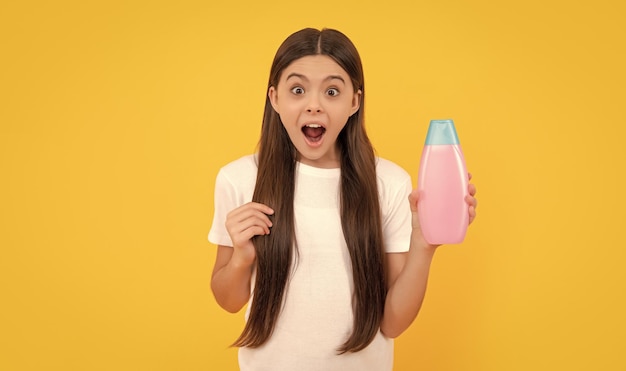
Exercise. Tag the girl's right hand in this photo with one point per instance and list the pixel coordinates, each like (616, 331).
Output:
(243, 223)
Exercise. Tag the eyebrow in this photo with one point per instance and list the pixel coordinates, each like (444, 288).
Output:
(328, 78)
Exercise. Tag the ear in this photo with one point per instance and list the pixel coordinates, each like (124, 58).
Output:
(356, 102)
(272, 94)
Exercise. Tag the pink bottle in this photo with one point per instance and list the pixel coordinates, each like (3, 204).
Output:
(443, 185)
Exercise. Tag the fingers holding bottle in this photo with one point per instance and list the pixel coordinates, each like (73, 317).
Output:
(417, 232)
(471, 200)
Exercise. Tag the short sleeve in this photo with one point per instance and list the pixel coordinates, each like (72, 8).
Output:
(234, 186)
(395, 187)
(225, 201)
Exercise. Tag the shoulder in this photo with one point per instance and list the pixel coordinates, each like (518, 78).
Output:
(388, 171)
(238, 176)
(241, 168)
(235, 183)
(394, 183)
(247, 162)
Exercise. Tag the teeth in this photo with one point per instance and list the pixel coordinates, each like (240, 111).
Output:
(313, 126)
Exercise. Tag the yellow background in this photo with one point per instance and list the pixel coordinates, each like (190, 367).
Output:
(116, 116)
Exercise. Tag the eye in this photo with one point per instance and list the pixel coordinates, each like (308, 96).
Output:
(297, 90)
(333, 92)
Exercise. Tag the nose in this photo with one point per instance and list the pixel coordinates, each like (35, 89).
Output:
(313, 105)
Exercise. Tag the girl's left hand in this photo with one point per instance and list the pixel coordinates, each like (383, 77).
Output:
(470, 199)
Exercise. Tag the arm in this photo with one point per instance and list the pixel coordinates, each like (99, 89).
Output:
(407, 274)
(407, 277)
(230, 281)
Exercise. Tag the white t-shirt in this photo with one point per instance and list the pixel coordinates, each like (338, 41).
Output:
(317, 316)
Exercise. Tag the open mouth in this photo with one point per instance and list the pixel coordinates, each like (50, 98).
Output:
(313, 132)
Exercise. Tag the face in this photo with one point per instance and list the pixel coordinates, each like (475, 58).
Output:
(314, 99)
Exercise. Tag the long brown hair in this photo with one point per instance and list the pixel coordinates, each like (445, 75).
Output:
(360, 208)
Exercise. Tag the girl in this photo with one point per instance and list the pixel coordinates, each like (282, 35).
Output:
(314, 232)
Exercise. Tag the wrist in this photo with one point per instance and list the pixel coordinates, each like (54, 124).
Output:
(419, 243)
(240, 261)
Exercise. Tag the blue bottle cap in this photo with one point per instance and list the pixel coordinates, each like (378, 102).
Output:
(441, 132)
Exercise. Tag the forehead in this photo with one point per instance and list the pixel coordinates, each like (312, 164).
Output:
(314, 66)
